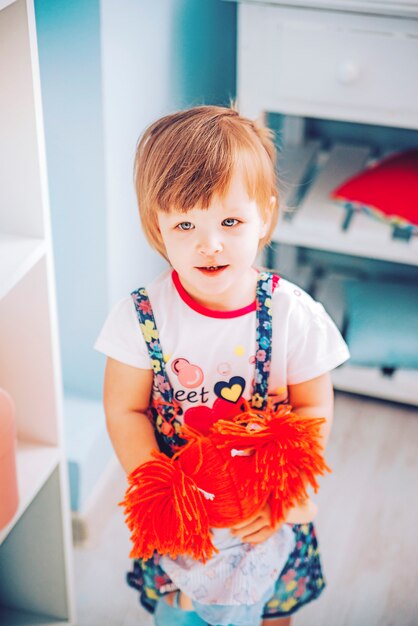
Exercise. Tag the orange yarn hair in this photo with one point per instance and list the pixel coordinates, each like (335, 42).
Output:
(221, 479)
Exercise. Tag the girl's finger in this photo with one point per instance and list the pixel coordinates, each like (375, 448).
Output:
(260, 535)
(263, 515)
(246, 522)
(253, 527)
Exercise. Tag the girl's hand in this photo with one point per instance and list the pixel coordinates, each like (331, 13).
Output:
(255, 529)
(303, 513)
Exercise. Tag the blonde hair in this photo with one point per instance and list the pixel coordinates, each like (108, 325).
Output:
(184, 159)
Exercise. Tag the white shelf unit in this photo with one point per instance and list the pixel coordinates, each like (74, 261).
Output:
(317, 221)
(398, 386)
(36, 584)
(35, 464)
(336, 64)
(17, 256)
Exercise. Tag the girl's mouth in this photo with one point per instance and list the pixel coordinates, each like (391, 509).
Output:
(212, 269)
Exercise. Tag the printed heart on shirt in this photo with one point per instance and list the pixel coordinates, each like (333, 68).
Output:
(202, 418)
(231, 391)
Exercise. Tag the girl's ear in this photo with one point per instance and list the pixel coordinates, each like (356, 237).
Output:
(266, 221)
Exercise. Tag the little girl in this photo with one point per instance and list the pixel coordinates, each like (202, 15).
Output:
(212, 331)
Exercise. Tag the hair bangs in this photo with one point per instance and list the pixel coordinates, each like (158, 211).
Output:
(202, 170)
(257, 178)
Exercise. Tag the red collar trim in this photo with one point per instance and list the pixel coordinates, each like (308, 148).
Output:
(187, 299)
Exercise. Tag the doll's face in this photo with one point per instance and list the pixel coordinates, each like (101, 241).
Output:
(213, 249)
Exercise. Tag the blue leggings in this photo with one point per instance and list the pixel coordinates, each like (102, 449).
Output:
(172, 615)
(166, 615)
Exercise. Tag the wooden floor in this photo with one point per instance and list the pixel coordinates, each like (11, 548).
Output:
(367, 527)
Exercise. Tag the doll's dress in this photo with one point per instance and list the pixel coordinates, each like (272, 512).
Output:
(234, 584)
(267, 562)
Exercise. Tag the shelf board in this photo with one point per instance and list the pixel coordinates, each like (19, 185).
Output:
(404, 8)
(402, 386)
(35, 464)
(316, 221)
(10, 617)
(17, 256)
(5, 3)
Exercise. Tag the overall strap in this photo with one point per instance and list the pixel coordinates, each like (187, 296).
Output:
(263, 340)
(164, 408)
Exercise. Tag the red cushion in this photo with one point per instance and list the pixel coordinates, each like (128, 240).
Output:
(389, 187)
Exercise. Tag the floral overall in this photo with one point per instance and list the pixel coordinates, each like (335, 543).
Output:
(301, 579)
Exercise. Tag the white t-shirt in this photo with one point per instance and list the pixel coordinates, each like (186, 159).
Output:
(210, 355)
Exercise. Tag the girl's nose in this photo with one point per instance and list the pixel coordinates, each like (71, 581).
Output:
(208, 246)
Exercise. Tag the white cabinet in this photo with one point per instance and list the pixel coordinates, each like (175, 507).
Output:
(334, 60)
(35, 548)
(328, 64)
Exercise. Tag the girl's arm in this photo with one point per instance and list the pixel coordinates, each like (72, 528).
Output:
(127, 392)
(313, 398)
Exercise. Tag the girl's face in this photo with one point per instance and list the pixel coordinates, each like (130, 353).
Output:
(213, 250)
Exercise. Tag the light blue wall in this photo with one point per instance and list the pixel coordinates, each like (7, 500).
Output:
(205, 52)
(107, 70)
(156, 57)
(69, 51)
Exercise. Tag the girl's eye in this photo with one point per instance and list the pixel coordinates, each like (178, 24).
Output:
(230, 221)
(185, 226)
